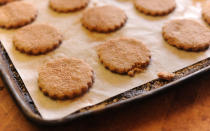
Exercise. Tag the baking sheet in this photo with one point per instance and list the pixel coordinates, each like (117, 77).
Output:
(80, 43)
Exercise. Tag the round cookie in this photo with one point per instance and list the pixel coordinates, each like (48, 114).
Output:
(65, 78)
(124, 55)
(104, 18)
(5, 1)
(155, 7)
(186, 34)
(16, 14)
(206, 12)
(68, 5)
(37, 39)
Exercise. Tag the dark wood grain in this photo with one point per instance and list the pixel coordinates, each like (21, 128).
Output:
(183, 108)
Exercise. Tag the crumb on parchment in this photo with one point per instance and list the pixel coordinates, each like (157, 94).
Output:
(166, 75)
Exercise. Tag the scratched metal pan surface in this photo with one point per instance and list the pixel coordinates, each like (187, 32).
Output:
(23, 99)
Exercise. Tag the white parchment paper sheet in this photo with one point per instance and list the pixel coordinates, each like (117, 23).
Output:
(79, 42)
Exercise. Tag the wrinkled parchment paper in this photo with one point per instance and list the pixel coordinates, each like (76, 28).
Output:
(80, 43)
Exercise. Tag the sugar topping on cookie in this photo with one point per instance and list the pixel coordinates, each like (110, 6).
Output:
(17, 14)
(186, 34)
(104, 19)
(68, 5)
(206, 11)
(37, 39)
(65, 78)
(124, 55)
(155, 7)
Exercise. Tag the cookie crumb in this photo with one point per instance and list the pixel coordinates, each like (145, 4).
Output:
(134, 71)
(166, 75)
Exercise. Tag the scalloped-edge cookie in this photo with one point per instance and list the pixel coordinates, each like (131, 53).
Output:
(206, 11)
(155, 7)
(65, 78)
(104, 19)
(124, 55)
(186, 34)
(65, 6)
(17, 14)
(37, 39)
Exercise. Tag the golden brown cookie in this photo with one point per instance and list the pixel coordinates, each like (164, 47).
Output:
(65, 78)
(5, 1)
(37, 39)
(124, 55)
(166, 75)
(206, 12)
(186, 34)
(104, 18)
(68, 5)
(155, 7)
(16, 14)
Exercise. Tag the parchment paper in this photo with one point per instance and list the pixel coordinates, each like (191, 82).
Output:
(80, 43)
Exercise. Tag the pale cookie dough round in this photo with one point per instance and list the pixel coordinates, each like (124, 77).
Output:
(5, 1)
(16, 14)
(206, 12)
(37, 39)
(124, 55)
(186, 34)
(65, 78)
(155, 7)
(68, 5)
(104, 18)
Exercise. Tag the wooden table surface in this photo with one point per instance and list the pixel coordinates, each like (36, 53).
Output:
(186, 107)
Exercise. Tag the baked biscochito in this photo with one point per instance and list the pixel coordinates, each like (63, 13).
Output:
(37, 39)
(65, 78)
(104, 19)
(155, 7)
(66, 6)
(17, 14)
(124, 55)
(206, 11)
(186, 34)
